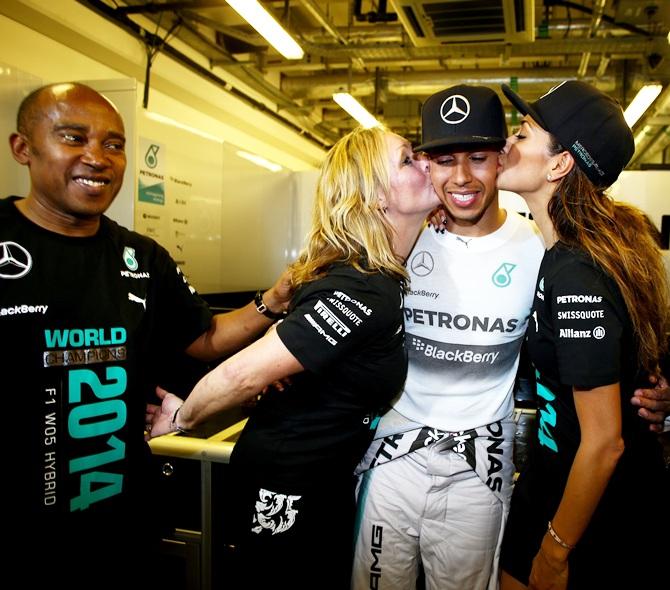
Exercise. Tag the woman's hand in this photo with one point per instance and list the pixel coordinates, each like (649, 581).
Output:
(437, 218)
(548, 573)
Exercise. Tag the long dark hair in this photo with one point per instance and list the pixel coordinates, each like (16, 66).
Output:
(619, 239)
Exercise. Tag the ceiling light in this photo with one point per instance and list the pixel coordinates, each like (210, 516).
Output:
(643, 99)
(259, 161)
(355, 109)
(268, 27)
(646, 132)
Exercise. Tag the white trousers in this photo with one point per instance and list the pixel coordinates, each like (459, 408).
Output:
(428, 507)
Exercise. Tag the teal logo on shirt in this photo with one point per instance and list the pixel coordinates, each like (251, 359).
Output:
(547, 416)
(502, 277)
(129, 258)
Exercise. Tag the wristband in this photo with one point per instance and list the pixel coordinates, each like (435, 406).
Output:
(555, 537)
(176, 426)
(264, 309)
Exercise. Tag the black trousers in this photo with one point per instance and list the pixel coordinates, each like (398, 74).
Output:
(296, 536)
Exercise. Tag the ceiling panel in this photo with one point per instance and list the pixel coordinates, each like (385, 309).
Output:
(393, 55)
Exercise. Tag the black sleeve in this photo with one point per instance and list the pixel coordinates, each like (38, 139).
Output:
(181, 314)
(588, 316)
(334, 316)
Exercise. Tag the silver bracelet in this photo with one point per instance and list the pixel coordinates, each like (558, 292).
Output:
(176, 426)
(555, 537)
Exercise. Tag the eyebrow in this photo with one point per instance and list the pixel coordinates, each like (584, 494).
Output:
(75, 126)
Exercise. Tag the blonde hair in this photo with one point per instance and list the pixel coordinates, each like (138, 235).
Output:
(348, 223)
(619, 239)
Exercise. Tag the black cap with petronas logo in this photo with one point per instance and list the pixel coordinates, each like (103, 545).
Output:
(462, 116)
(588, 123)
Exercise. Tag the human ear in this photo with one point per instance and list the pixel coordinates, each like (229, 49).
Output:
(18, 143)
(560, 165)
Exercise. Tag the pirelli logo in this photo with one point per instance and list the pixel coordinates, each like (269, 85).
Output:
(331, 319)
(320, 330)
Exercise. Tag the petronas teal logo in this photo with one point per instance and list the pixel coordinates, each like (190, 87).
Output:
(151, 157)
(129, 258)
(502, 277)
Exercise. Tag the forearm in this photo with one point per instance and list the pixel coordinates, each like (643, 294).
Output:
(238, 379)
(232, 331)
(600, 448)
(229, 332)
(222, 388)
(590, 473)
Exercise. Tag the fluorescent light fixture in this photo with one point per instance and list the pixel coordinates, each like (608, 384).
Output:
(646, 132)
(259, 161)
(261, 20)
(355, 109)
(173, 123)
(643, 99)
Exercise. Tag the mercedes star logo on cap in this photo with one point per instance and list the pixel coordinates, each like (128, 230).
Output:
(15, 260)
(455, 109)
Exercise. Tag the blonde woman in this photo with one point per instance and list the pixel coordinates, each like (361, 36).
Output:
(342, 345)
(598, 325)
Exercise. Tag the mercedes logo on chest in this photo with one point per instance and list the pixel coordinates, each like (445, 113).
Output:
(455, 109)
(422, 264)
(15, 261)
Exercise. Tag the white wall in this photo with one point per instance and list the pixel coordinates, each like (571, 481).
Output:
(58, 40)
(257, 223)
(648, 190)
(187, 220)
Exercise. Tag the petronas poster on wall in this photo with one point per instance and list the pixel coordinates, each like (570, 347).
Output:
(151, 178)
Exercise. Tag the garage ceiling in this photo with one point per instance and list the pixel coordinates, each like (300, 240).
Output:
(393, 54)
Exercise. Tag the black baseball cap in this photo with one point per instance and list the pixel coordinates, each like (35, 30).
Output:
(462, 115)
(588, 123)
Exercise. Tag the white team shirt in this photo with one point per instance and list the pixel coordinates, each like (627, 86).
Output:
(465, 320)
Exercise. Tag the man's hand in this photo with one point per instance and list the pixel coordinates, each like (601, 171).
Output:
(279, 295)
(654, 403)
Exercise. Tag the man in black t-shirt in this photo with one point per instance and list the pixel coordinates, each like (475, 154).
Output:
(87, 311)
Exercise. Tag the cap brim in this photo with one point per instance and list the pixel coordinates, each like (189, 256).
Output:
(522, 106)
(465, 141)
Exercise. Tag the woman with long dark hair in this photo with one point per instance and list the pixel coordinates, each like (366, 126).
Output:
(598, 326)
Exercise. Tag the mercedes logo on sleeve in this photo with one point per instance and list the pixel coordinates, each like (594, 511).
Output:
(422, 263)
(455, 109)
(15, 261)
